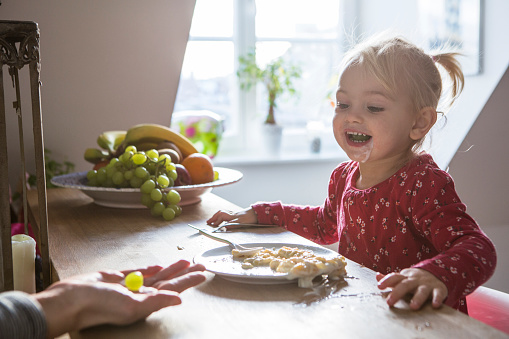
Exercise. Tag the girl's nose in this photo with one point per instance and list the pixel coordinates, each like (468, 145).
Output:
(353, 115)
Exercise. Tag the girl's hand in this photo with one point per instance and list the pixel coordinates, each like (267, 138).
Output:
(245, 216)
(422, 284)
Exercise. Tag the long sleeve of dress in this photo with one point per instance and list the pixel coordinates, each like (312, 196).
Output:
(316, 223)
(466, 257)
(21, 317)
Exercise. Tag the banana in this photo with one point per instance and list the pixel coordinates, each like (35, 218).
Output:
(110, 140)
(119, 137)
(154, 133)
(103, 142)
(145, 146)
(95, 155)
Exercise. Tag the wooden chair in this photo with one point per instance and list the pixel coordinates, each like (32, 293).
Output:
(19, 46)
(490, 307)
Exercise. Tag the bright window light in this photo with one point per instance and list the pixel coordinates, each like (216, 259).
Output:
(307, 33)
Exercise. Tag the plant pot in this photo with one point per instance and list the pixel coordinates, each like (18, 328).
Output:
(271, 135)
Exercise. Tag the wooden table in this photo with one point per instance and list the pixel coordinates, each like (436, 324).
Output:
(85, 237)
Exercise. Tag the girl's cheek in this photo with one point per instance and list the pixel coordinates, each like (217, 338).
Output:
(337, 130)
(336, 120)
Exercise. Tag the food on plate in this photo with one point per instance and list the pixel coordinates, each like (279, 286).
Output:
(95, 156)
(200, 168)
(174, 155)
(144, 137)
(152, 173)
(150, 138)
(156, 135)
(149, 157)
(110, 140)
(183, 176)
(297, 263)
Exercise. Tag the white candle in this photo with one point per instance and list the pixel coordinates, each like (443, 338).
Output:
(23, 262)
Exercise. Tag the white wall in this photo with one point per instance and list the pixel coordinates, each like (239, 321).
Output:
(300, 182)
(480, 171)
(105, 65)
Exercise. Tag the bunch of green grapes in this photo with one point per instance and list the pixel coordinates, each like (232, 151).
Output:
(150, 172)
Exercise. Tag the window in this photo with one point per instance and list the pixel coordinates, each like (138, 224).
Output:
(305, 32)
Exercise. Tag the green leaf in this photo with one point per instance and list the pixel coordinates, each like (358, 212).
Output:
(277, 76)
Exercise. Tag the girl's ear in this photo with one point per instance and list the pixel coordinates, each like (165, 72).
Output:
(425, 119)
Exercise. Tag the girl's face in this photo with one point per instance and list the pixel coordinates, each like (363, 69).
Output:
(369, 123)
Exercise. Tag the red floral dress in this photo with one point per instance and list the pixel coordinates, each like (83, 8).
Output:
(413, 219)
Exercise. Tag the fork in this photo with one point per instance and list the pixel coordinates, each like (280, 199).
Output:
(245, 250)
(236, 225)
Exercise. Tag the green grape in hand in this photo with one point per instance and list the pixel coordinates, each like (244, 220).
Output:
(134, 281)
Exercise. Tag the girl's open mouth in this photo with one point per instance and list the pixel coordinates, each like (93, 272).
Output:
(357, 138)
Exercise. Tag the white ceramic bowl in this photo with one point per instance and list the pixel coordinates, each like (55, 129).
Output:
(130, 197)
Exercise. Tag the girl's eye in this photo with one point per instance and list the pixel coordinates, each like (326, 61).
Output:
(341, 106)
(374, 109)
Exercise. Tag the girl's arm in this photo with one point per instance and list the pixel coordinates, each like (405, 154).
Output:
(310, 222)
(316, 223)
(467, 256)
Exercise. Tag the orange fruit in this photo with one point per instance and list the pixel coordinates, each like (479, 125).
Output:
(200, 168)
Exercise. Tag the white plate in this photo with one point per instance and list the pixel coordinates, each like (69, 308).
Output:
(220, 261)
(130, 197)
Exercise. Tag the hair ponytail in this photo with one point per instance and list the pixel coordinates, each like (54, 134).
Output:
(452, 66)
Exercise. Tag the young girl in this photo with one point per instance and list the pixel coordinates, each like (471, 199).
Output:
(391, 207)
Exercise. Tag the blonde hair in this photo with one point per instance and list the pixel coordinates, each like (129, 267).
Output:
(402, 66)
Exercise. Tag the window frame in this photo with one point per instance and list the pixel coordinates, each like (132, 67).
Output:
(244, 40)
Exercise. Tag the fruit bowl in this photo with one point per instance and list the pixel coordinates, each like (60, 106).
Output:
(130, 197)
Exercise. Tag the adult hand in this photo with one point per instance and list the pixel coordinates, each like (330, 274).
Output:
(245, 216)
(421, 283)
(101, 298)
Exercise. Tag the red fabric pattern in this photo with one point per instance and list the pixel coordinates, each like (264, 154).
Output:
(413, 219)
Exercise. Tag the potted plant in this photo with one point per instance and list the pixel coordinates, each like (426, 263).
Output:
(277, 77)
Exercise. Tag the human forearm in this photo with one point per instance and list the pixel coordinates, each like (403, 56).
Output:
(21, 316)
(465, 257)
(311, 222)
(463, 267)
(61, 305)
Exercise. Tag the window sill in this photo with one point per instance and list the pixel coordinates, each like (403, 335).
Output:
(283, 158)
